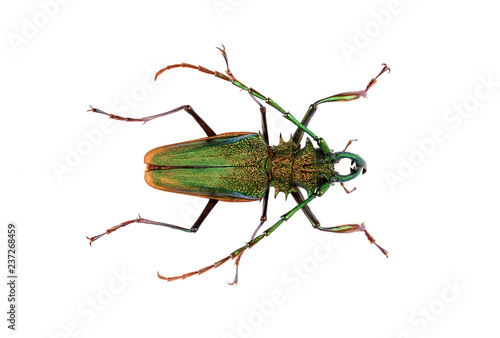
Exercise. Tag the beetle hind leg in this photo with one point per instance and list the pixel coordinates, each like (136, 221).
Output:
(208, 208)
(346, 228)
(262, 110)
(209, 131)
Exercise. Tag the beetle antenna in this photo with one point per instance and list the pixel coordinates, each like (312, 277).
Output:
(372, 241)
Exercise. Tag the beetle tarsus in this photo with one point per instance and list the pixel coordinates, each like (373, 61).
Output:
(237, 264)
(223, 50)
(112, 229)
(372, 241)
(145, 119)
(374, 80)
(228, 71)
(91, 240)
(384, 251)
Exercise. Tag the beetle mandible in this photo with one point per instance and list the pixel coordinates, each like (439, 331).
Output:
(242, 166)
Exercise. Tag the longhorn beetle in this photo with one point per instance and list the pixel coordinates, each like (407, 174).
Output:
(242, 166)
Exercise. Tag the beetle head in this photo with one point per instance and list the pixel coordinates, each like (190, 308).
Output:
(358, 166)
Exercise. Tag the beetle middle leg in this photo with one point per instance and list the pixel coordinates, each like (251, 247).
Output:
(262, 109)
(228, 71)
(345, 228)
(208, 208)
(263, 219)
(209, 131)
(249, 245)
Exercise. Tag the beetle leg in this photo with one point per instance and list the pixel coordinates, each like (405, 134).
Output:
(263, 219)
(253, 92)
(249, 245)
(208, 208)
(228, 71)
(297, 195)
(348, 96)
(187, 108)
(345, 228)
(264, 119)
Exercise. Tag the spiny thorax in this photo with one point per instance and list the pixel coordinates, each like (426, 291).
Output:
(292, 167)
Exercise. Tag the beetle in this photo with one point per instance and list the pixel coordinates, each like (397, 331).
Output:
(242, 166)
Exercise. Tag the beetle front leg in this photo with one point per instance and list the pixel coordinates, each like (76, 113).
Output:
(208, 208)
(356, 227)
(345, 228)
(187, 108)
(342, 97)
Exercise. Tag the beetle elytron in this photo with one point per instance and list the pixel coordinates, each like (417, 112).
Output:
(242, 166)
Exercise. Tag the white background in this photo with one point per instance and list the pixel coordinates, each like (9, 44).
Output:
(436, 215)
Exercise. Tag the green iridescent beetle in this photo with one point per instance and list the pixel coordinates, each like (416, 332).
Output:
(242, 166)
